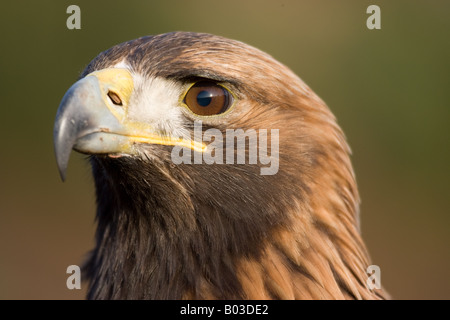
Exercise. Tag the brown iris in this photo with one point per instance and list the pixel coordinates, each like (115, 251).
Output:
(206, 98)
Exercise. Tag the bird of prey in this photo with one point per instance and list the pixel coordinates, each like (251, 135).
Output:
(170, 229)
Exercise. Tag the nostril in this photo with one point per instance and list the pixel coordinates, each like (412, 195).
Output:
(115, 98)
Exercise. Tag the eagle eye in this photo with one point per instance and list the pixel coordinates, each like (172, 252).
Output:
(207, 98)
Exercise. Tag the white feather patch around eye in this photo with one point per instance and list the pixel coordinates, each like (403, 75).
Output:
(156, 102)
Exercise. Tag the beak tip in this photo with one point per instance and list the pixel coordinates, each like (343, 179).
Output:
(63, 148)
(62, 167)
(62, 174)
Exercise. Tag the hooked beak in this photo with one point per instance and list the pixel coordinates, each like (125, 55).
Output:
(92, 119)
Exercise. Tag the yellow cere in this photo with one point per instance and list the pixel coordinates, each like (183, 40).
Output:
(120, 81)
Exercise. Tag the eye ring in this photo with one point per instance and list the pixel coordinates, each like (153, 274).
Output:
(208, 98)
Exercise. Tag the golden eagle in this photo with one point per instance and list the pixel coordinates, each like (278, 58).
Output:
(171, 226)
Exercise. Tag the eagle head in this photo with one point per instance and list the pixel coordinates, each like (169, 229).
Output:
(219, 174)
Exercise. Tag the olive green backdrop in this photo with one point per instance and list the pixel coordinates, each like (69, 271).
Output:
(389, 89)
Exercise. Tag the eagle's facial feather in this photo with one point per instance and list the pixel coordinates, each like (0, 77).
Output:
(156, 102)
(168, 231)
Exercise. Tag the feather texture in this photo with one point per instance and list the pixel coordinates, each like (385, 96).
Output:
(225, 231)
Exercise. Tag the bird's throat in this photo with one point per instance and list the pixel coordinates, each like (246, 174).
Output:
(153, 241)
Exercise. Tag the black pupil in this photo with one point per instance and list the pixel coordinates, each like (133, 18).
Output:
(204, 98)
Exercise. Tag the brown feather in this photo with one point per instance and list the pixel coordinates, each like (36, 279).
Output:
(226, 232)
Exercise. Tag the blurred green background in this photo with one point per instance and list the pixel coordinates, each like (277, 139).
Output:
(389, 89)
